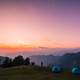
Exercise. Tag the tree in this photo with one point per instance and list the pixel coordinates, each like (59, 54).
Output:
(27, 61)
(7, 62)
(19, 60)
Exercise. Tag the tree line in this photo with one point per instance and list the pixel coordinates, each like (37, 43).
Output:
(17, 61)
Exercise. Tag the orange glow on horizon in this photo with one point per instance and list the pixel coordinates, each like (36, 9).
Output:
(28, 26)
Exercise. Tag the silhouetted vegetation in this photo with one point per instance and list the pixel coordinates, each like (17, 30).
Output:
(68, 60)
(27, 61)
(19, 60)
(7, 62)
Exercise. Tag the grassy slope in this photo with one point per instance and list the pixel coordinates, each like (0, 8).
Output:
(34, 73)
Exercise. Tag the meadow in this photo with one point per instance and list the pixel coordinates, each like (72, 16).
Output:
(34, 73)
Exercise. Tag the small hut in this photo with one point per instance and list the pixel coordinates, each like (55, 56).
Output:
(56, 68)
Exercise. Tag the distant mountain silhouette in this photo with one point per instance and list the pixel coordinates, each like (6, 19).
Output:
(66, 60)
(70, 59)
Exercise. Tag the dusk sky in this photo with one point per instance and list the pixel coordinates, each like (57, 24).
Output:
(40, 23)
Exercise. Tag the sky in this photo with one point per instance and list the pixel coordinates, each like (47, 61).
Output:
(26, 24)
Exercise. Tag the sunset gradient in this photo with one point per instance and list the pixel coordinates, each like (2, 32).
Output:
(27, 24)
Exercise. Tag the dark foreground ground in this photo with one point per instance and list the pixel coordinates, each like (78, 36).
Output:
(34, 73)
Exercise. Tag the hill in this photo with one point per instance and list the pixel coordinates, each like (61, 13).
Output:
(34, 73)
(66, 61)
(70, 59)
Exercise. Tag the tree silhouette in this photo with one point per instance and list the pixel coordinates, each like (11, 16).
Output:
(27, 61)
(19, 60)
(7, 62)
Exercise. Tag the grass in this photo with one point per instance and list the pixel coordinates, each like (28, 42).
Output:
(34, 73)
